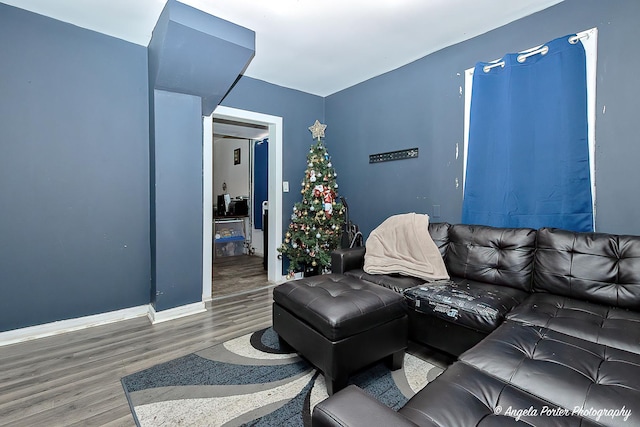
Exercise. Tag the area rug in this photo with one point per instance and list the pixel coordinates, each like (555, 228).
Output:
(252, 381)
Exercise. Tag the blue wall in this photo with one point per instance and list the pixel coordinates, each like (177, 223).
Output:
(74, 171)
(194, 58)
(76, 226)
(177, 212)
(420, 105)
(75, 144)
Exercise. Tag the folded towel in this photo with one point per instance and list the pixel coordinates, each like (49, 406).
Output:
(402, 244)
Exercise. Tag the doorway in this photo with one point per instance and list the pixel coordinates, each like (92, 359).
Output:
(274, 125)
(239, 189)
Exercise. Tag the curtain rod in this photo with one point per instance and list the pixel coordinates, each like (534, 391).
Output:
(574, 39)
(542, 50)
(486, 68)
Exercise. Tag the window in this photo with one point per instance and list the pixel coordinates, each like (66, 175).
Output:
(516, 70)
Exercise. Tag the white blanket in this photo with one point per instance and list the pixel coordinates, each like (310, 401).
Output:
(402, 244)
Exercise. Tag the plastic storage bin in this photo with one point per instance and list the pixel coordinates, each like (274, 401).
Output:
(229, 237)
(224, 249)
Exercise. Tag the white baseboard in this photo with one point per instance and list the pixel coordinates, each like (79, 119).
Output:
(59, 327)
(175, 313)
(62, 326)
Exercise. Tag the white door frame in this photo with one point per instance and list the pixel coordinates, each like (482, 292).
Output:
(274, 123)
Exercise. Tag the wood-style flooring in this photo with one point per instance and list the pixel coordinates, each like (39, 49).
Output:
(73, 379)
(237, 274)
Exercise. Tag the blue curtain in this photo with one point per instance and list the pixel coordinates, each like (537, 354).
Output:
(528, 151)
(260, 180)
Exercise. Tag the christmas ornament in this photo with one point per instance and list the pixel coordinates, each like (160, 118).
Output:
(317, 130)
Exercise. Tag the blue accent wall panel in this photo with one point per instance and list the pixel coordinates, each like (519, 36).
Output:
(74, 172)
(422, 105)
(177, 237)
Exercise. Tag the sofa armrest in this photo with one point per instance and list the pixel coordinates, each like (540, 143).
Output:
(353, 407)
(346, 259)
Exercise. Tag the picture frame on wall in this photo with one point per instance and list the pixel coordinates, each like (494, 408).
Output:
(236, 156)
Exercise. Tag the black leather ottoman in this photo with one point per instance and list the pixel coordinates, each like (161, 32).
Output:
(341, 324)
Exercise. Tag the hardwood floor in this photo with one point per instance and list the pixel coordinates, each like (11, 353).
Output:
(73, 379)
(237, 274)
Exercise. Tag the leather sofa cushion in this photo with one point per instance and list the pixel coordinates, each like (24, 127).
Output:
(439, 232)
(476, 305)
(596, 267)
(395, 282)
(613, 327)
(463, 396)
(566, 371)
(502, 256)
(339, 306)
(352, 406)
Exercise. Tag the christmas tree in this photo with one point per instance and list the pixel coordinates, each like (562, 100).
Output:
(316, 221)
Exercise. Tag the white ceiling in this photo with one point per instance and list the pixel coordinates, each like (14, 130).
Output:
(316, 46)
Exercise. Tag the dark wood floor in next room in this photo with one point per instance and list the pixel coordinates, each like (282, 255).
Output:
(237, 274)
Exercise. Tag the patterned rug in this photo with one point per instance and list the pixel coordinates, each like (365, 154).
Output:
(252, 381)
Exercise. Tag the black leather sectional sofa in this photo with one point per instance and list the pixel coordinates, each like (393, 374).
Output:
(545, 325)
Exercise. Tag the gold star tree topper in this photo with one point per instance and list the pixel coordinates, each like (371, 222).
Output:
(317, 130)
